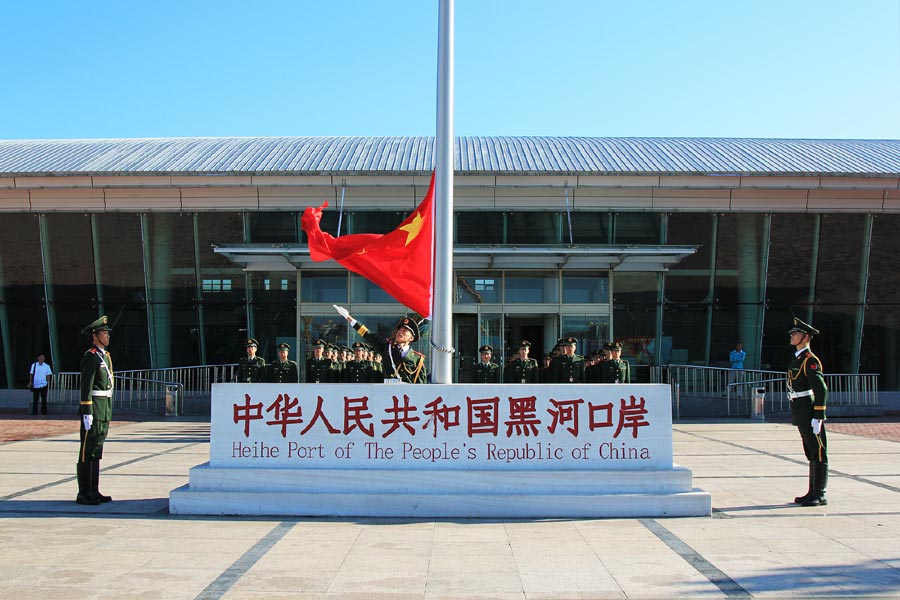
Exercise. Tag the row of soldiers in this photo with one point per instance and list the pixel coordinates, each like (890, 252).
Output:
(329, 364)
(562, 365)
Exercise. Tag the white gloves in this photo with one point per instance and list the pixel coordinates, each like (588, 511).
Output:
(342, 311)
(816, 426)
(88, 421)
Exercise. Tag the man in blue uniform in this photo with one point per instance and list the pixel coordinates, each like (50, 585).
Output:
(808, 394)
(95, 410)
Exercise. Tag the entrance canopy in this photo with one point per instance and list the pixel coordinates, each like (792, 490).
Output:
(279, 257)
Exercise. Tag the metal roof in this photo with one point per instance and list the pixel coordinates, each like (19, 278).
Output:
(524, 155)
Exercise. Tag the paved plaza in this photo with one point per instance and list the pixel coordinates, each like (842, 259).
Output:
(756, 544)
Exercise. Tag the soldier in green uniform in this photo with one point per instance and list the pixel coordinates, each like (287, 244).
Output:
(522, 369)
(808, 394)
(251, 367)
(319, 368)
(568, 367)
(282, 370)
(592, 367)
(358, 370)
(400, 361)
(333, 351)
(485, 370)
(614, 369)
(95, 410)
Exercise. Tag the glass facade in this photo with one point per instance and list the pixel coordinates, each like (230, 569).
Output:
(173, 301)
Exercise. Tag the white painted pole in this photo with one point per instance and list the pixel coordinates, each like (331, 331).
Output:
(442, 310)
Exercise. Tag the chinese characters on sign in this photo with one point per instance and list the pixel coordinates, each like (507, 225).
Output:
(444, 426)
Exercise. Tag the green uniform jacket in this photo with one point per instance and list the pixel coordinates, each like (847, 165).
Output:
(486, 373)
(282, 372)
(521, 371)
(409, 368)
(805, 374)
(250, 371)
(319, 370)
(96, 376)
(614, 371)
(567, 369)
(358, 371)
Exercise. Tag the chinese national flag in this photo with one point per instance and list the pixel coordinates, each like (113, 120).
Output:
(399, 262)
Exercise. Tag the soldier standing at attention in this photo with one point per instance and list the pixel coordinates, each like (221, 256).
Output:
(358, 370)
(522, 369)
(614, 369)
(400, 361)
(282, 370)
(808, 393)
(568, 367)
(319, 368)
(485, 370)
(95, 410)
(250, 368)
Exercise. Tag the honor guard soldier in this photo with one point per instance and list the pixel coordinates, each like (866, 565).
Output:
(614, 369)
(282, 370)
(485, 370)
(358, 370)
(568, 367)
(400, 362)
(808, 394)
(522, 369)
(95, 410)
(251, 367)
(319, 368)
(592, 367)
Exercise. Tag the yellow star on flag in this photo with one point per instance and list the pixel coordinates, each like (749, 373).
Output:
(413, 229)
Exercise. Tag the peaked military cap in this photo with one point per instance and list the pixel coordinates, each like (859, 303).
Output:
(101, 324)
(803, 327)
(319, 343)
(612, 346)
(283, 346)
(359, 346)
(486, 348)
(251, 342)
(569, 341)
(410, 324)
(524, 344)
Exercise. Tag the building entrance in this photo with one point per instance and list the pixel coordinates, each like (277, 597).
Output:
(533, 328)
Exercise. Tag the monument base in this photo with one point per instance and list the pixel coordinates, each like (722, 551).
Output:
(440, 493)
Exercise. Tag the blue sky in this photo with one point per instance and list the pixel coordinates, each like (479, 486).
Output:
(692, 68)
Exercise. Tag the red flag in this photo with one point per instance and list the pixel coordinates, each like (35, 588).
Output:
(400, 262)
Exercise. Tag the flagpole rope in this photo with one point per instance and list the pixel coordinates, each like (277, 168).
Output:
(449, 350)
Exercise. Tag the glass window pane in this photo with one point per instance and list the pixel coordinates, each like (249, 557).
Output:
(532, 228)
(588, 227)
(363, 290)
(479, 228)
(637, 228)
(585, 289)
(634, 314)
(273, 227)
(329, 224)
(373, 221)
(591, 331)
(326, 287)
(274, 310)
(478, 288)
(533, 288)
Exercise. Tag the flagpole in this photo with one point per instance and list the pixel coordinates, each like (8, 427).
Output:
(442, 310)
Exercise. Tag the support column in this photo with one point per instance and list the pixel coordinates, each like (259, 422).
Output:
(48, 290)
(862, 293)
(198, 290)
(162, 237)
(148, 296)
(248, 281)
(4, 331)
(98, 278)
(813, 270)
(711, 289)
(748, 278)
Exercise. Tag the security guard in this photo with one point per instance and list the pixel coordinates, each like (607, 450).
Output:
(522, 369)
(319, 369)
(614, 369)
(95, 410)
(358, 370)
(400, 361)
(485, 370)
(568, 367)
(282, 370)
(808, 394)
(250, 368)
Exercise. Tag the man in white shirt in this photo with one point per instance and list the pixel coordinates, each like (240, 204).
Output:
(39, 382)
